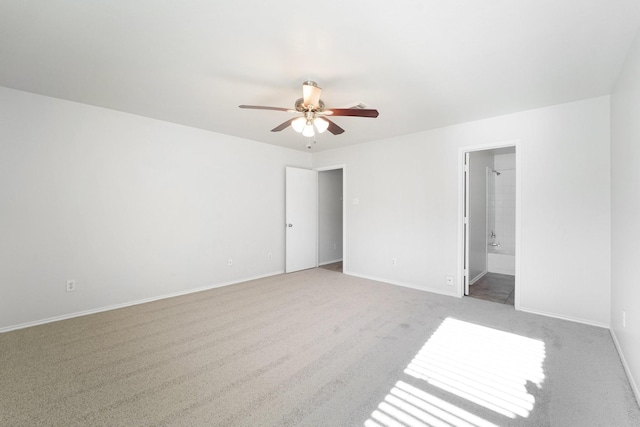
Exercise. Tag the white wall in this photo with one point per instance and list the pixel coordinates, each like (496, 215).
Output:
(479, 161)
(329, 216)
(503, 206)
(131, 208)
(134, 208)
(625, 213)
(407, 191)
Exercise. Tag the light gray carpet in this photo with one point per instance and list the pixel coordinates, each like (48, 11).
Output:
(314, 348)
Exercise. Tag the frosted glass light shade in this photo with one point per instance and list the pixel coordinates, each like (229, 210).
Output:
(308, 130)
(321, 124)
(298, 124)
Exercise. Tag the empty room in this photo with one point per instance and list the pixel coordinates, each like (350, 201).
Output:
(380, 214)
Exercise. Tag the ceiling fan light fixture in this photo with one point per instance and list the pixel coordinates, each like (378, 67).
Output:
(308, 130)
(299, 124)
(311, 94)
(321, 124)
(313, 112)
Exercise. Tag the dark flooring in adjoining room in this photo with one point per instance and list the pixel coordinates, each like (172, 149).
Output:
(334, 266)
(494, 287)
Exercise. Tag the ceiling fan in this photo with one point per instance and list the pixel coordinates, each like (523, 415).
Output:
(314, 113)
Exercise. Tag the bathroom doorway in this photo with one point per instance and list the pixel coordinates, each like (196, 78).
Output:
(490, 224)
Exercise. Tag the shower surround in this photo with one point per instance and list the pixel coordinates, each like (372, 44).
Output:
(501, 214)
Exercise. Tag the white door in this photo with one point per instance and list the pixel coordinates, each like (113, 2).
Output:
(465, 225)
(301, 213)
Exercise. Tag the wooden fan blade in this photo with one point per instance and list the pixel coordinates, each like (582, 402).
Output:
(283, 125)
(334, 128)
(355, 112)
(262, 107)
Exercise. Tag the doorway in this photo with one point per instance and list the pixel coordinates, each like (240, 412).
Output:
(490, 223)
(331, 219)
(314, 220)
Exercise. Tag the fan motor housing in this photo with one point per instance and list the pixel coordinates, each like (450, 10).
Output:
(301, 108)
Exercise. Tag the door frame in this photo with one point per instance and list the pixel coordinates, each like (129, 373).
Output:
(344, 212)
(462, 208)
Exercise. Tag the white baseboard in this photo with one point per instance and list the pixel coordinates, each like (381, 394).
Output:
(632, 382)
(404, 285)
(131, 303)
(478, 277)
(562, 317)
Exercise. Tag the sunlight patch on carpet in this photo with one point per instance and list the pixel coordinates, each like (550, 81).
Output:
(485, 366)
(407, 405)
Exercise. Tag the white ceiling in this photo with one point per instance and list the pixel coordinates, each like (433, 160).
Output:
(422, 63)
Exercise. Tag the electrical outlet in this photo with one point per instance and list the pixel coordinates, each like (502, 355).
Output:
(71, 286)
(270, 255)
(450, 281)
(624, 318)
(394, 262)
(230, 262)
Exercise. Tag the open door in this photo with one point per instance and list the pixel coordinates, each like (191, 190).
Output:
(301, 213)
(465, 225)
(489, 217)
